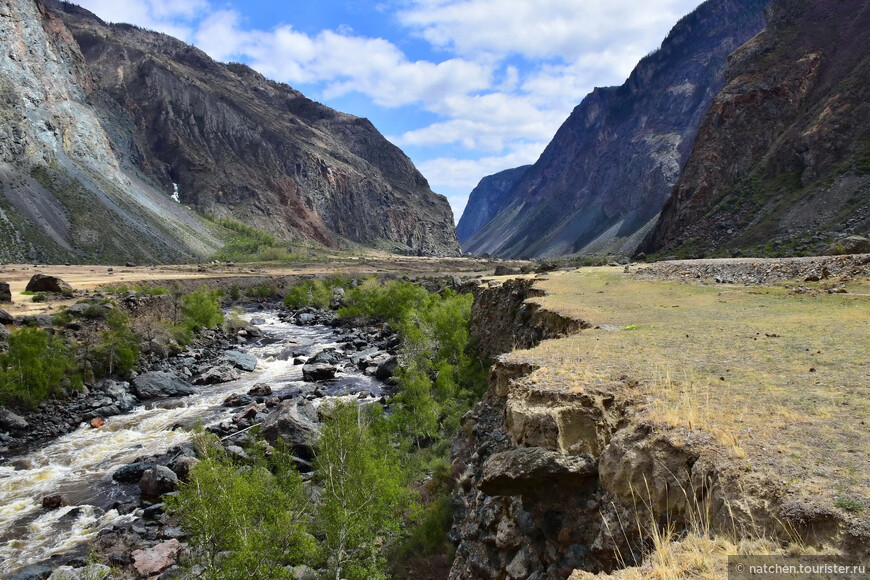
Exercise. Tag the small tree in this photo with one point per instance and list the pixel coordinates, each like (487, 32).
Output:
(243, 523)
(201, 309)
(363, 493)
(118, 348)
(33, 366)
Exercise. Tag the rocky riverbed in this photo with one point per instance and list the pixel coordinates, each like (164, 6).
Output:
(88, 473)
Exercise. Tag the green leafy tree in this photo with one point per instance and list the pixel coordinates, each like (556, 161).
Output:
(201, 309)
(362, 492)
(308, 293)
(33, 366)
(118, 349)
(244, 523)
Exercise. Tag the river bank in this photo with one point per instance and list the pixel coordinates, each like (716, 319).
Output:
(61, 492)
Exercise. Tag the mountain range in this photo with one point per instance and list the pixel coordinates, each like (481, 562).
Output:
(105, 124)
(747, 131)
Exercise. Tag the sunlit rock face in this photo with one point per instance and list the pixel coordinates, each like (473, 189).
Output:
(101, 121)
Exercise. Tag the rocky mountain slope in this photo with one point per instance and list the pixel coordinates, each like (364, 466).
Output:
(782, 159)
(64, 194)
(106, 122)
(486, 200)
(613, 163)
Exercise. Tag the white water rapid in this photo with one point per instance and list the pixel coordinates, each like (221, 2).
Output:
(79, 466)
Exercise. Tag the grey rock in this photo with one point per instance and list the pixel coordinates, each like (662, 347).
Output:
(215, 375)
(237, 453)
(329, 356)
(157, 481)
(516, 470)
(5, 317)
(159, 385)
(5, 294)
(294, 424)
(260, 390)
(387, 368)
(4, 334)
(11, 421)
(130, 473)
(37, 572)
(182, 466)
(318, 372)
(241, 360)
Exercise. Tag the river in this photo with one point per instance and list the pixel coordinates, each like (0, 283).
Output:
(79, 466)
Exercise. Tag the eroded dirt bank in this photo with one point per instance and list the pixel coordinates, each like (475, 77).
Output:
(564, 472)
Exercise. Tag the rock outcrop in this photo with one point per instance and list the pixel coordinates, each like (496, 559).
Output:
(112, 135)
(613, 163)
(782, 159)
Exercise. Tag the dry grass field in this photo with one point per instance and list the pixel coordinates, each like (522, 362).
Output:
(781, 379)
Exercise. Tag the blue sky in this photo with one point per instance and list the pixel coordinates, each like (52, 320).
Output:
(465, 87)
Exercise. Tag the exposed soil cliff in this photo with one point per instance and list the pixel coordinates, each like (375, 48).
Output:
(562, 472)
(782, 157)
(612, 164)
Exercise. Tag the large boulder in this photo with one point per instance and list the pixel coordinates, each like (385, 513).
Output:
(5, 292)
(241, 360)
(294, 424)
(520, 469)
(260, 390)
(44, 283)
(329, 357)
(851, 245)
(155, 560)
(5, 317)
(387, 367)
(215, 375)
(130, 473)
(318, 372)
(159, 385)
(157, 480)
(11, 421)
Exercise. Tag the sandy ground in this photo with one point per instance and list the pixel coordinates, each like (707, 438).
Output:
(90, 277)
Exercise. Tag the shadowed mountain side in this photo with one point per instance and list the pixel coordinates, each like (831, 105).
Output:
(485, 200)
(612, 164)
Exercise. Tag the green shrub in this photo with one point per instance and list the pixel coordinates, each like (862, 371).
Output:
(388, 302)
(308, 293)
(243, 523)
(235, 294)
(265, 290)
(33, 366)
(200, 309)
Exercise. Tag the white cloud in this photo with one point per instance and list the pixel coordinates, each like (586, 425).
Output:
(173, 17)
(544, 29)
(341, 63)
(464, 174)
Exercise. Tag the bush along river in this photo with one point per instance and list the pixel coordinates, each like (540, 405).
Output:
(97, 488)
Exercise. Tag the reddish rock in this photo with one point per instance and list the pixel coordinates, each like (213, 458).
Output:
(97, 422)
(157, 559)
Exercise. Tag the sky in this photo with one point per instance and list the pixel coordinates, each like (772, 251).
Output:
(466, 88)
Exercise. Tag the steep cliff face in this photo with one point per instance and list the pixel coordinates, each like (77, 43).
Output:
(783, 155)
(612, 164)
(63, 192)
(486, 200)
(240, 145)
(103, 122)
